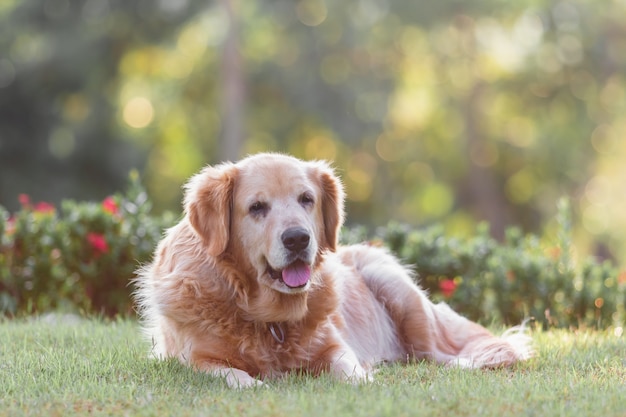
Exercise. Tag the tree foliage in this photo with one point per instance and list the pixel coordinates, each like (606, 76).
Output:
(448, 111)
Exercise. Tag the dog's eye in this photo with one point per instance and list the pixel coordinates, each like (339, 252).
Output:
(306, 199)
(258, 208)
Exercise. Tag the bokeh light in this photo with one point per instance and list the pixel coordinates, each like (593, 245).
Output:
(138, 112)
(420, 105)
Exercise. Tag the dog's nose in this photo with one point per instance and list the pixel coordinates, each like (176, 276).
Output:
(295, 239)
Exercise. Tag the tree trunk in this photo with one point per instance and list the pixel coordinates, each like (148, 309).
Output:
(481, 190)
(232, 90)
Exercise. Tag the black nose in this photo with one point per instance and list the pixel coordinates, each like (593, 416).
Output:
(295, 239)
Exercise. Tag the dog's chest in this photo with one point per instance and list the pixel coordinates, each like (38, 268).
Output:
(279, 348)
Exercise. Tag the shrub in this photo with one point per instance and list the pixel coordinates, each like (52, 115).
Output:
(520, 278)
(81, 257)
(84, 255)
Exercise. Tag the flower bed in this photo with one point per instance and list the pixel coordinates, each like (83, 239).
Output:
(82, 256)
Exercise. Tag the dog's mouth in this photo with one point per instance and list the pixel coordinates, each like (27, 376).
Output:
(295, 275)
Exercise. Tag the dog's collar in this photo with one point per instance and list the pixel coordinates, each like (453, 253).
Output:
(277, 332)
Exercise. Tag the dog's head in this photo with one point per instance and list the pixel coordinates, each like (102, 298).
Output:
(273, 212)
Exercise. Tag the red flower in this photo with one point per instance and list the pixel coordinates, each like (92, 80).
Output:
(45, 208)
(110, 206)
(447, 287)
(41, 207)
(98, 243)
(24, 200)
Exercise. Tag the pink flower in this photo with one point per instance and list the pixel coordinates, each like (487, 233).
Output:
(41, 207)
(24, 200)
(447, 287)
(98, 243)
(45, 208)
(110, 206)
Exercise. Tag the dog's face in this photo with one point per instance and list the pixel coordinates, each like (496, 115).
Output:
(273, 212)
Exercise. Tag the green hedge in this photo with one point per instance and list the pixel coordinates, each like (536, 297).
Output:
(83, 257)
(508, 282)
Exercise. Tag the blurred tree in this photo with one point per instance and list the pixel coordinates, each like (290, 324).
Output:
(449, 111)
(232, 97)
(58, 70)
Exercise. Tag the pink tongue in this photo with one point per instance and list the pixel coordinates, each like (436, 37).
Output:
(297, 274)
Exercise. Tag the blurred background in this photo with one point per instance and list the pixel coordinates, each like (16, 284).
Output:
(446, 111)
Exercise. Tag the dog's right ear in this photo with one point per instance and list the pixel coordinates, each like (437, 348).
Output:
(208, 205)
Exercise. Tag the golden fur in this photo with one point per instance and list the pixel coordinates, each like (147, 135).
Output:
(251, 284)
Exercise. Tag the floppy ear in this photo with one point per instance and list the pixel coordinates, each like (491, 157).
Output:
(208, 205)
(332, 203)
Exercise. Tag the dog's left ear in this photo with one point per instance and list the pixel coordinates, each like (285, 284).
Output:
(208, 205)
(332, 203)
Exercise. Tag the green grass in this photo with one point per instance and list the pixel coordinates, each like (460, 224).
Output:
(101, 368)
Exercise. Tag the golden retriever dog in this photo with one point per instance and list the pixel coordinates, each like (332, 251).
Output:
(252, 284)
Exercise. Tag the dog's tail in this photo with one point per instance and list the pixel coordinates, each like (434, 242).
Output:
(467, 344)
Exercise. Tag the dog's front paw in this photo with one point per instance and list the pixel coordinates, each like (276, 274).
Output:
(238, 379)
(348, 369)
(360, 376)
(241, 383)
(463, 363)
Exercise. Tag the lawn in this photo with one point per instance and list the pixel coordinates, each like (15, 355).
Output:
(92, 367)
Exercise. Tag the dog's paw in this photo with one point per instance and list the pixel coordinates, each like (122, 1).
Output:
(238, 379)
(346, 367)
(352, 373)
(243, 383)
(363, 377)
(463, 363)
